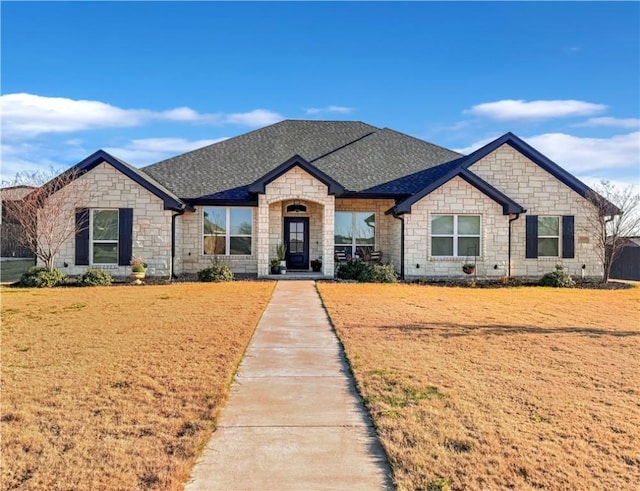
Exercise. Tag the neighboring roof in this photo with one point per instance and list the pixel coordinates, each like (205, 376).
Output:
(171, 201)
(15, 192)
(354, 154)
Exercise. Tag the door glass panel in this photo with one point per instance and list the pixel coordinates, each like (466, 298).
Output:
(296, 238)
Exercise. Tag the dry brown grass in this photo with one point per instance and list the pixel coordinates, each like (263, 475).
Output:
(520, 388)
(117, 387)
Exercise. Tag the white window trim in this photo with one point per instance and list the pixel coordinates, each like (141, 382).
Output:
(97, 241)
(455, 234)
(227, 231)
(354, 245)
(557, 237)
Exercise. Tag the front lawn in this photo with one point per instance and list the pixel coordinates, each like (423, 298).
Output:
(515, 388)
(117, 387)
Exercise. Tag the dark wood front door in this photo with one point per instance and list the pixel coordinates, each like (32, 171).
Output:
(296, 233)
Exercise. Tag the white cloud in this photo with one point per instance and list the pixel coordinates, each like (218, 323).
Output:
(147, 151)
(631, 123)
(579, 155)
(510, 109)
(330, 109)
(255, 118)
(27, 116)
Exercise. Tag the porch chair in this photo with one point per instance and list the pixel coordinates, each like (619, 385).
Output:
(375, 257)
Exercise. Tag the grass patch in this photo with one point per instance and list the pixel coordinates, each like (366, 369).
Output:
(117, 388)
(524, 388)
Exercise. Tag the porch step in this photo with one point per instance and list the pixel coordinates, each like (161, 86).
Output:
(297, 275)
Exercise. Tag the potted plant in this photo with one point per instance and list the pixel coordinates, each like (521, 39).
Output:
(275, 266)
(138, 270)
(316, 264)
(281, 252)
(283, 269)
(469, 268)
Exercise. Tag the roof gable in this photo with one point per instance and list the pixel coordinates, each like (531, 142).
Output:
(171, 201)
(508, 205)
(334, 187)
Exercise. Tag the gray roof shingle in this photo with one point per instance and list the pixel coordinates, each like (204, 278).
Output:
(357, 155)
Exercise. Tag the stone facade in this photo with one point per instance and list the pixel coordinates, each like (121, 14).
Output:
(107, 188)
(540, 193)
(456, 197)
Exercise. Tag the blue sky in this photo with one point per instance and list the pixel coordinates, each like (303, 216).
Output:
(149, 80)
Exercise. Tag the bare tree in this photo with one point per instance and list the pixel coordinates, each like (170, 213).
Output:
(617, 219)
(44, 217)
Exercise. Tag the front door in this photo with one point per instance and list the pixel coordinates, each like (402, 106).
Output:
(296, 238)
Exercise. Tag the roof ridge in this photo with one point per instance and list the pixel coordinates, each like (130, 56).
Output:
(342, 147)
(421, 141)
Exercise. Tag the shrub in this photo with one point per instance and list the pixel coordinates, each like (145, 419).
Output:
(95, 277)
(360, 271)
(40, 277)
(383, 273)
(217, 272)
(558, 278)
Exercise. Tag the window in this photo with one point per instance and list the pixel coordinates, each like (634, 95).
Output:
(355, 232)
(548, 236)
(227, 231)
(455, 235)
(104, 236)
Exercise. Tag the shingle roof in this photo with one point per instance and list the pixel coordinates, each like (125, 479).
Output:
(357, 155)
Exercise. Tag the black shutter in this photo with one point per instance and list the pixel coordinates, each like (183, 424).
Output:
(567, 237)
(532, 237)
(125, 236)
(82, 237)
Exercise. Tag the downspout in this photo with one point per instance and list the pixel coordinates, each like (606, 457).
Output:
(401, 218)
(509, 252)
(173, 242)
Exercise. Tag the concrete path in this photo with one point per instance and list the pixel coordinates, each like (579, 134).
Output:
(294, 420)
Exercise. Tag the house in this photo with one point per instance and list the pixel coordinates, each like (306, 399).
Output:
(327, 186)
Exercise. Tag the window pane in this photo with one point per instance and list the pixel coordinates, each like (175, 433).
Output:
(548, 247)
(343, 226)
(442, 225)
(105, 224)
(365, 227)
(105, 253)
(214, 221)
(442, 246)
(240, 246)
(469, 246)
(548, 226)
(214, 244)
(241, 221)
(468, 225)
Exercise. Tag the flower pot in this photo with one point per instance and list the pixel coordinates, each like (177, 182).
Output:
(283, 270)
(136, 277)
(275, 269)
(468, 269)
(316, 267)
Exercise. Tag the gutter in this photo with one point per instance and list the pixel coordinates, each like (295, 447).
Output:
(173, 241)
(509, 252)
(401, 218)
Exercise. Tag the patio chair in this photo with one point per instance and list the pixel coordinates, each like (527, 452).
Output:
(375, 257)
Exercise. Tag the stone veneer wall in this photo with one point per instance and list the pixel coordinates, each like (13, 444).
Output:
(387, 228)
(190, 256)
(540, 194)
(455, 197)
(296, 184)
(106, 187)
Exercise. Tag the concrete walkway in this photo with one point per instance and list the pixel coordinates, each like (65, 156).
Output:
(294, 420)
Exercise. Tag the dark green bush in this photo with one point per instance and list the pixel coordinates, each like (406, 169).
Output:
(359, 271)
(558, 278)
(95, 277)
(39, 277)
(216, 273)
(383, 273)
